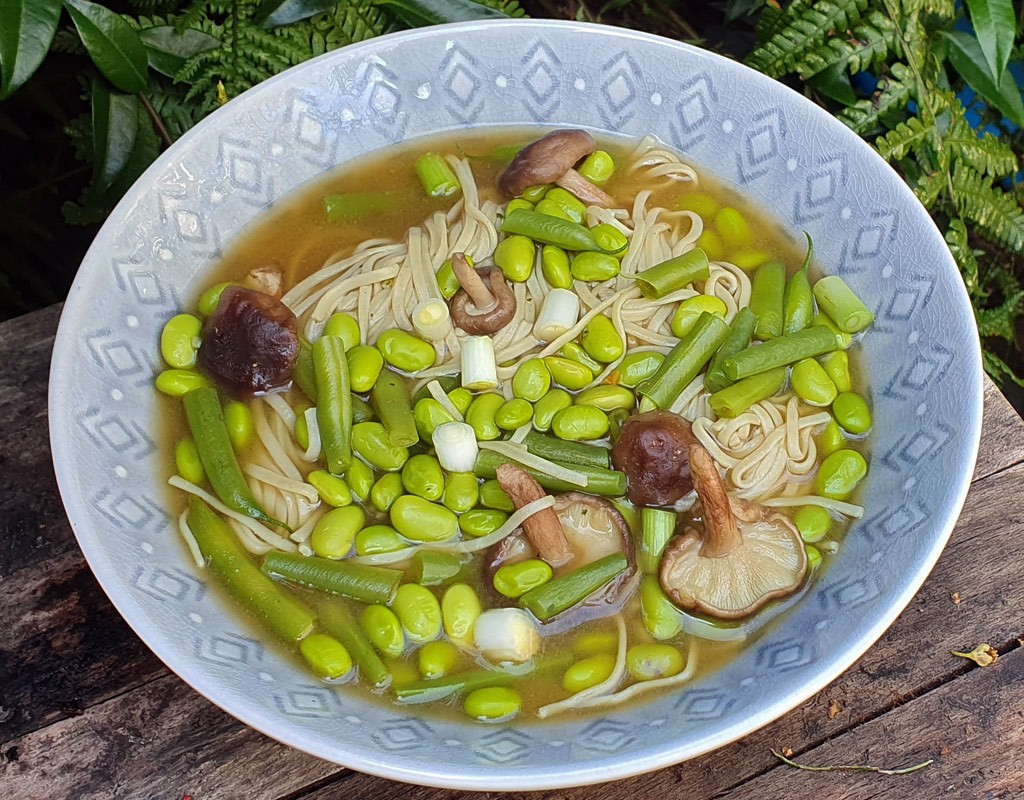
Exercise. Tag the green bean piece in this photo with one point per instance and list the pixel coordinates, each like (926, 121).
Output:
(352, 206)
(187, 461)
(741, 331)
(428, 415)
(430, 691)
(334, 402)
(422, 476)
(461, 491)
(405, 352)
(831, 439)
(812, 384)
(436, 176)
(550, 404)
(375, 539)
(419, 612)
(238, 418)
(669, 276)
(601, 341)
(841, 305)
(340, 624)
(598, 167)
(837, 366)
(635, 368)
(570, 588)
(178, 340)
(808, 343)
(610, 239)
(179, 382)
(648, 662)
(210, 434)
(554, 266)
(580, 423)
(481, 413)
(513, 414)
(345, 326)
(304, 375)
(767, 297)
(839, 474)
(479, 522)
(326, 656)
(588, 672)
(570, 205)
(532, 380)
(210, 298)
(422, 521)
(515, 580)
(594, 266)
(365, 364)
(852, 413)
(335, 531)
(603, 482)
(733, 228)
(813, 522)
(660, 617)
(493, 704)
(567, 373)
(391, 402)
(383, 628)
(359, 479)
(575, 352)
(285, 616)
(332, 489)
(685, 361)
(735, 399)
(607, 397)
(549, 230)
(799, 303)
(437, 659)
(657, 527)
(515, 256)
(432, 567)
(689, 311)
(843, 340)
(357, 581)
(460, 608)
(371, 441)
(492, 496)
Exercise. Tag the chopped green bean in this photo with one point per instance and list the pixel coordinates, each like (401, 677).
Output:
(741, 331)
(600, 481)
(568, 589)
(357, 581)
(432, 567)
(767, 294)
(436, 176)
(685, 361)
(669, 276)
(353, 205)
(735, 399)
(808, 343)
(390, 401)
(842, 306)
(549, 230)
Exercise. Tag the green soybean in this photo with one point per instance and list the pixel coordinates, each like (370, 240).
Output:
(361, 411)
(570, 205)
(422, 476)
(518, 202)
(813, 556)
(460, 608)
(461, 398)
(326, 656)
(493, 496)
(345, 326)
(837, 367)
(767, 297)
(437, 659)
(178, 340)
(658, 525)
(598, 167)
(549, 230)
(735, 399)
(334, 491)
(304, 375)
(595, 642)
(842, 305)
(419, 612)
(552, 209)
(357, 581)
(534, 194)
(513, 414)
(492, 704)
(784, 350)
(532, 380)
(383, 629)
(607, 398)
(812, 384)
(601, 341)
(514, 256)
(550, 404)
(239, 421)
(567, 373)
(405, 352)
(580, 423)
(610, 239)
(422, 521)
(660, 617)
(704, 205)
(749, 258)
(648, 662)
(365, 363)
(187, 462)
(359, 479)
(669, 276)
(447, 283)
(179, 382)
(594, 266)
(733, 228)
(685, 361)
(852, 413)
(428, 415)
(336, 530)
(554, 266)
(375, 539)
(386, 491)
(515, 580)
(432, 567)
(210, 299)
(839, 474)
(575, 352)
(831, 439)
(813, 522)
(371, 442)
(741, 331)
(480, 416)
(461, 491)
(843, 339)
(481, 521)
(711, 243)
(689, 311)
(588, 672)
(340, 624)
(635, 368)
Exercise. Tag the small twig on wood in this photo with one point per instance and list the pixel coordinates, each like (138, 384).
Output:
(158, 123)
(852, 767)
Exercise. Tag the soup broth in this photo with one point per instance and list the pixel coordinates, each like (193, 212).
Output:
(638, 638)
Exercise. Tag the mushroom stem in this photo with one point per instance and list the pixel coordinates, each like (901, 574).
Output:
(474, 285)
(721, 533)
(573, 182)
(543, 529)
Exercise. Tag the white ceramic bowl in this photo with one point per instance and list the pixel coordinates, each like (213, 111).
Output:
(784, 152)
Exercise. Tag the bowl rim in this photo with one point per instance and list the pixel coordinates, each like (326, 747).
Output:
(391, 765)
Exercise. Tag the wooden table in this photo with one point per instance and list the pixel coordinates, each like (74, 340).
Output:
(88, 712)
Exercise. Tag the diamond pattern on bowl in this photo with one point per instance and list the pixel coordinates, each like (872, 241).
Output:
(693, 105)
(606, 735)
(703, 704)
(397, 735)
(506, 746)
(173, 584)
(232, 650)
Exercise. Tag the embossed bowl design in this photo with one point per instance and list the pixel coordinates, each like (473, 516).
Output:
(922, 356)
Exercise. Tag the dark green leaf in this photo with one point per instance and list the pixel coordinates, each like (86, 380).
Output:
(969, 61)
(419, 13)
(113, 44)
(834, 83)
(115, 122)
(26, 30)
(995, 25)
(275, 13)
(168, 48)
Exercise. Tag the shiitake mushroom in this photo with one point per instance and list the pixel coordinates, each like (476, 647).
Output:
(653, 450)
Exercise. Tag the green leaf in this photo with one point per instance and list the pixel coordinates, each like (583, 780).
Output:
(995, 213)
(420, 13)
(894, 92)
(866, 45)
(956, 239)
(26, 30)
(275, 13)
(902, 139)
(168, 49)
(834, 83)
(113, 44)
(115, 122)
(985, 154)
(966, 55)
(995, 26)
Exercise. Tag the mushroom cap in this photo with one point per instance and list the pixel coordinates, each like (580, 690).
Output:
(769, 562)
(492, 320)
(546, 160)
(653, 449)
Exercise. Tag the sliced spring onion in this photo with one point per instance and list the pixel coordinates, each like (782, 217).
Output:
(431, 319)
(558, 313)
(479, 369)
(456, 447)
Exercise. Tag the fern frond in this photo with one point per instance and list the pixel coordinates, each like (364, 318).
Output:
(999, 321)
(347, 23)
(944, 9)
(964, 255)
(994, 212)
(929, 186)
(906, 136)
(771, 22)
(894, 92)
(68, 41)
(985, 154)
(808, 24)
(998, 370)
(868, 44)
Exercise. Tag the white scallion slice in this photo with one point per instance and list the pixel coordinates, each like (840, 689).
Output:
(431, 319)
(456, 447)
(479, 369)
(559, 312)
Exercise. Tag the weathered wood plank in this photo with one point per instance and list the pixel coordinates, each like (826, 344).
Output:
(25, 346)
(1002, 434)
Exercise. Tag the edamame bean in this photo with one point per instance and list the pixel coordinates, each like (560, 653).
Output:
(837, 366)
(534, 194)
(302, 431)
(616, 419)
(607, 398)
(598, 167)
(365, 363)
(359, 478)
(594, 266)
(660, 617)
(422, 476)
(418, 611)
(813, 522)
(554, 266)
(371, 442)
(383, 629)
(601, 341)
(517, 202)
(179, 382)
(588, 672)
(178, 340)
(711, 243)
(492, 704)
(580, 423)
(405, 352)
(691, 308)
(209, 300)
(423, 521)
(515, 580)
(238, 418)
(481, 521)
(437, 659)
(704, 205)
(532, 380)
(594, 643)
(186, 460)
(375, 539)
(635, 368)
(813, 556)
(568, 202)
(647, 662)
(332, 489)
(812, 384)
(335, 531)
(386, 491)
(326, 656)
(461, 491)
(402, 672)
(480, 416)
(345, 326)
(461, 398)
(609, 238)
(460, 608)
(840, 473)
(843, 339)
(513, 414)
(570, 374)
(550, 404)
(733, 228)
(575, 352)
(361, 411)
(552, 209)
(428, 415)
(750, 259)
(831, 439)
(493, 496)
(852, 413)
(514, 256)
(447, 283)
